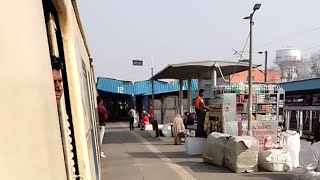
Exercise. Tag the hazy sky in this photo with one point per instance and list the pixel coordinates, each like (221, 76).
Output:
(174, 31)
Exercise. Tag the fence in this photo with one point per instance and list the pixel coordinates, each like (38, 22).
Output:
(302, 118)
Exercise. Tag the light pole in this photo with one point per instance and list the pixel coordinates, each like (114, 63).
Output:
(152, 88)
(265, 65)
(140, 63)
(255, 8)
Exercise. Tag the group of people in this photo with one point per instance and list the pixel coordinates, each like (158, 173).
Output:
(311, 168)
(134, 117)
(180, 123)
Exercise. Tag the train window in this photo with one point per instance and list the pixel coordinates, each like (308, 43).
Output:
(86, 99)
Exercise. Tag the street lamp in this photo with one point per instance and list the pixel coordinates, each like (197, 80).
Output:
(255, 8)
(265, 65)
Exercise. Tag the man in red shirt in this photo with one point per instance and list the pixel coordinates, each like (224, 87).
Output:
(150, 111)
(103, 117)
(144, 120)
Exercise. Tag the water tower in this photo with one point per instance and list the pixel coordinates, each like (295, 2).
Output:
(288, 59)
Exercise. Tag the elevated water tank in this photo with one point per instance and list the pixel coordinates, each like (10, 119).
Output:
(288, 60)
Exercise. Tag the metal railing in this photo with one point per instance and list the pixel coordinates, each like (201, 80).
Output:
(301, 118)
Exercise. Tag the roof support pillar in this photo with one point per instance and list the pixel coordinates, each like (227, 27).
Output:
(189, 95)
(199, 83)
(181, 97)
(214, 78)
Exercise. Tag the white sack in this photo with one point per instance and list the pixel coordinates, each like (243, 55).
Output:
(241, 154)
(194, 145)
(275, 160)
(166, 130)
(290, 141)
(214, 147)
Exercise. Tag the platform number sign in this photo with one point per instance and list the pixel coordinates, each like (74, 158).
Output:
(137, 62)
(120, 90)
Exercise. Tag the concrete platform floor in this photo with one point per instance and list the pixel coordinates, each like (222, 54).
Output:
(134, 155)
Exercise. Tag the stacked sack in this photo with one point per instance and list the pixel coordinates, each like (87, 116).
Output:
(290, 141)
(213, 150)
(238, 153)
(241, 154)
(275, 160)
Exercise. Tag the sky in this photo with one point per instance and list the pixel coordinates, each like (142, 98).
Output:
(175, 31)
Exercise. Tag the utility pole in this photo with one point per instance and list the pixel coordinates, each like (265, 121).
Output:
(249, 132)
(152, 87)
(266, 66)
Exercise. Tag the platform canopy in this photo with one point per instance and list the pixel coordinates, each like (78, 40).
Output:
(201, 69)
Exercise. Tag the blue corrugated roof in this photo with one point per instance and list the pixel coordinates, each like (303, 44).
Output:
(144, 87)
(141, 87)
(115, 86)
(163, 87)
(301, 85)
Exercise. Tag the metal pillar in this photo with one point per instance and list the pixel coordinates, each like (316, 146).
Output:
(199, 83)
(250, 80)
(266, 66)
(310, 121)
(152, 88)
(214, 78)
(181, 97)
(189, 95)
(287, 119)
(301, 123)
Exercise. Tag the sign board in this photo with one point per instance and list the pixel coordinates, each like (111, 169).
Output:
(260, 129)
(229, 108)
(137, 62)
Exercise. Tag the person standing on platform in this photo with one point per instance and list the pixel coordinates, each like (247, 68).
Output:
(178, 129)
(103, 118)
(132, 116)
(150, 112)
(201, 109)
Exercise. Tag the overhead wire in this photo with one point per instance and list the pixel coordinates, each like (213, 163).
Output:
(241, 55)
(295, 37)
(307, 49)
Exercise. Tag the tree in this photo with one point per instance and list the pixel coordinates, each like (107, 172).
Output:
(315, 64)
(304, 70)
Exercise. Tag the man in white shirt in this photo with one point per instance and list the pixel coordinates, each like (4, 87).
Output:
(311, 168)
